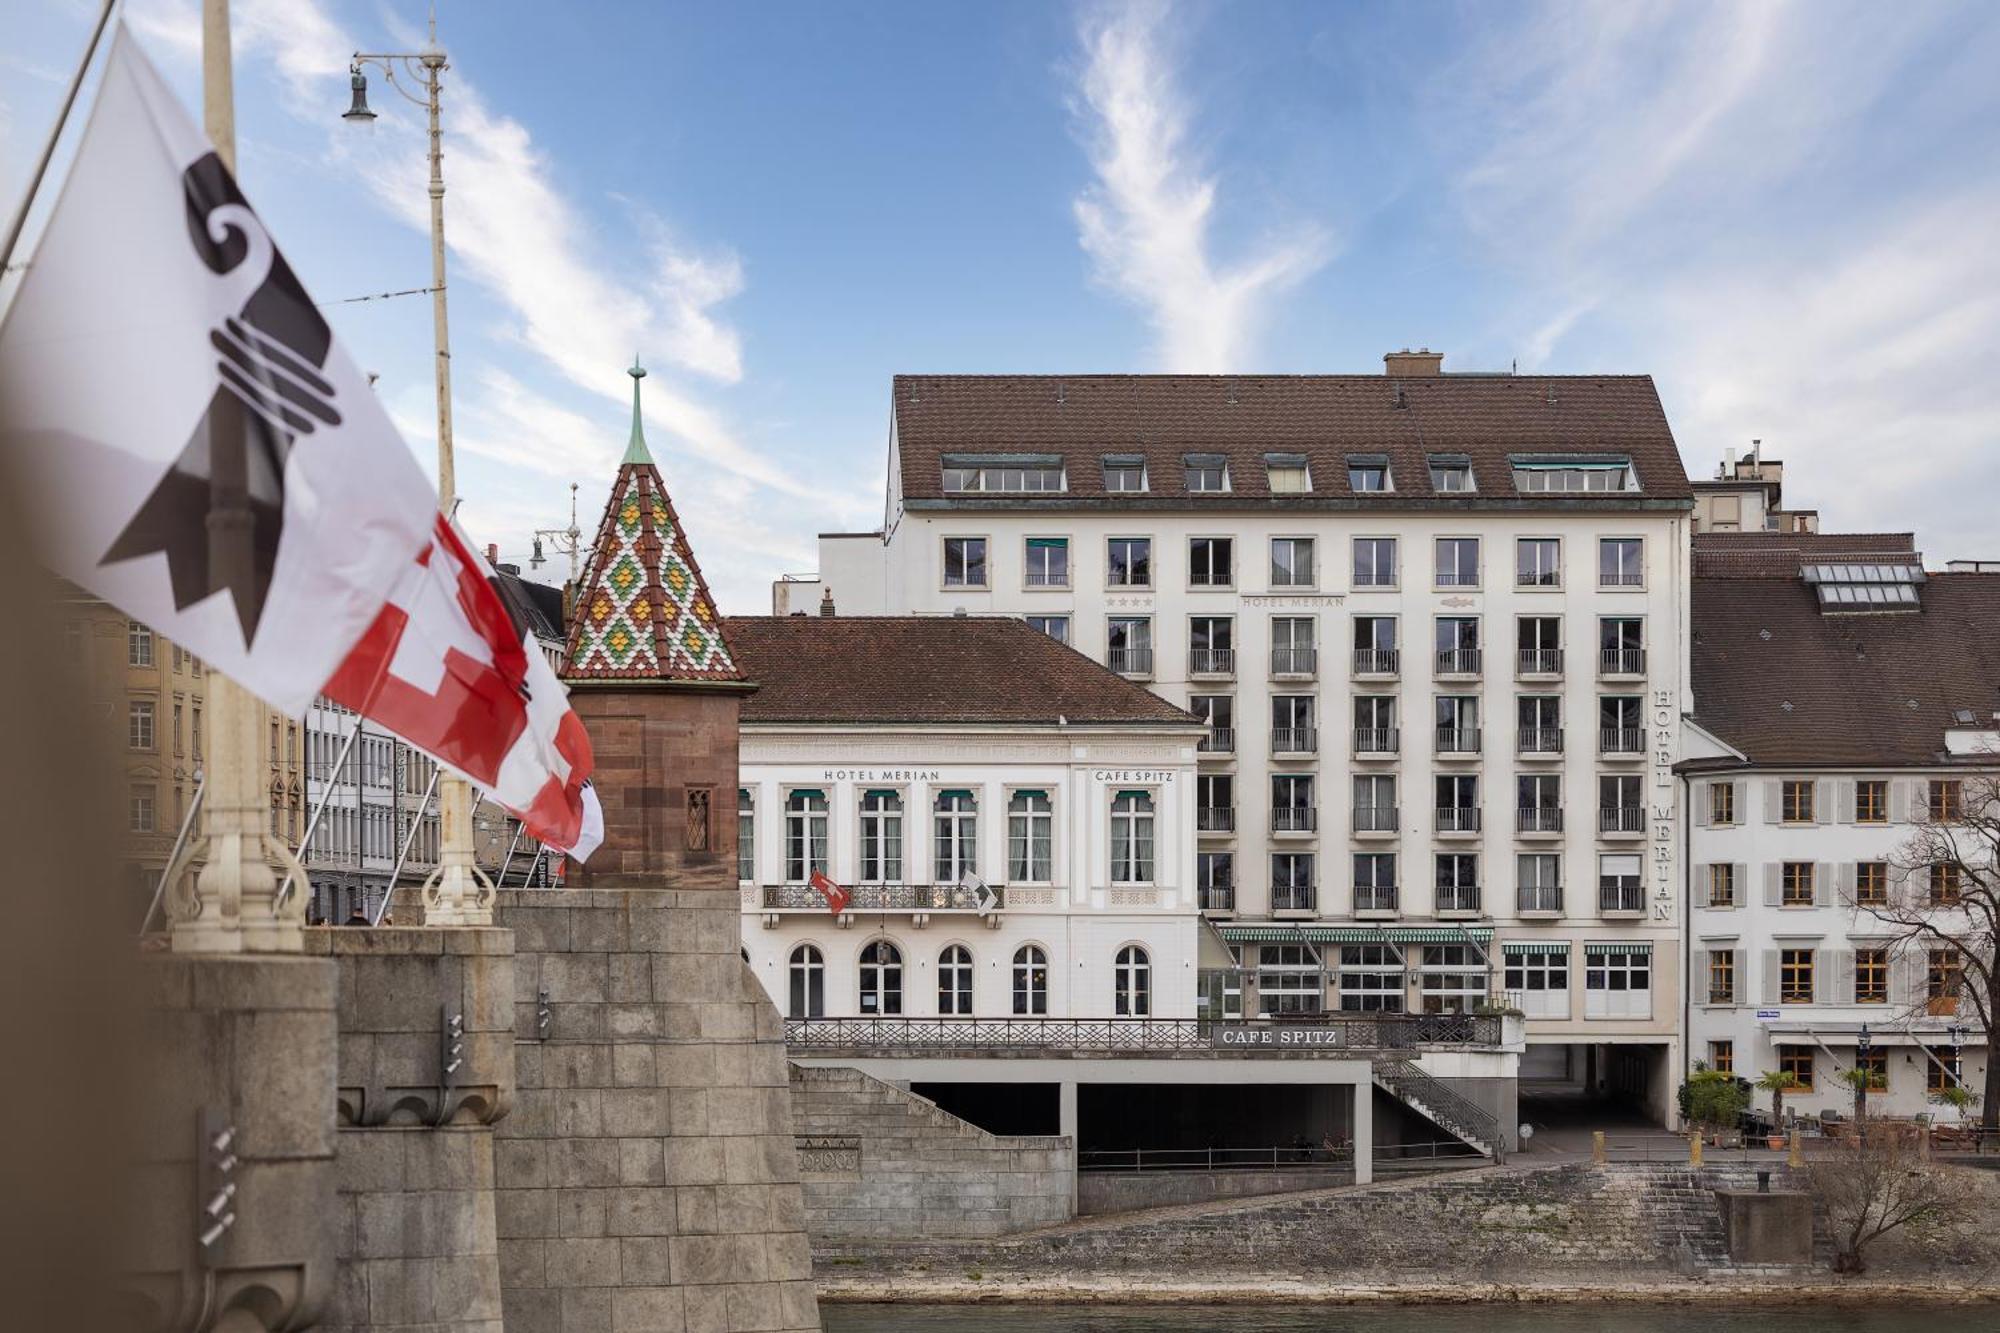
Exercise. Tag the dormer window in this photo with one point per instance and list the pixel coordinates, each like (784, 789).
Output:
(1124, 475)
(1286, 474)
(1001, 476)
(1573, 476)
(1368, 474)
(1451, 476)
(1206, 474)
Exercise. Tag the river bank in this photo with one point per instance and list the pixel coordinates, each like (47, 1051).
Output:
(1807, 1316)
(1005, 1289)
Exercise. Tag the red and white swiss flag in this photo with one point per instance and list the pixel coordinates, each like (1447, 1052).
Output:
(837, 898)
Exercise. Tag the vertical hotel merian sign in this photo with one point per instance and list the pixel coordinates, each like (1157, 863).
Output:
(1662, 840)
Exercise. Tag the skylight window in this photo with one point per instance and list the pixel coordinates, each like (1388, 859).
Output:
(1864, 585)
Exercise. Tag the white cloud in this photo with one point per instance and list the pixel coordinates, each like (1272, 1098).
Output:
(1146, 220)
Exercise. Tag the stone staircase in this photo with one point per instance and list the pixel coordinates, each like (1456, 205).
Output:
(1437, 1103)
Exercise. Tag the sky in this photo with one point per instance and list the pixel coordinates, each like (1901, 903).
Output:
(1785, 213)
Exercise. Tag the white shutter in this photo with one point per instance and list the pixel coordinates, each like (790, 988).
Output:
(1774, 800)
(1771, 885)
(1770, 976)
(1906, 976)
(1899, 801)
(1704, 804)
(1847, 801)
(1740, 879)
(1742, 974)
(1822, 802)
(1841, 990)
(1699, 885)
(1822, 883)
(1845, 882)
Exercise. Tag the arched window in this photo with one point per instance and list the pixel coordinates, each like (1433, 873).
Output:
(1031, 980)
(956, 835)
(881, 838)
(1132, 983)
(805, 835)
(1132, 838)
(881, 979)
(955, 980)
(808, 976)
(1030, 838)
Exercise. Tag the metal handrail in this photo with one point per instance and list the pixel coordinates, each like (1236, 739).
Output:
(1294, 661)
(1211, 661)
(1215, 819)
(1621, 819)
(1457, 819)
(1276, 1157)
(1539, 819)
(1377, 661)
(1458, 662)
(1376, 818)
(1539, 740)
(1377, 740)
(1294, 819)
(1458, 740)
(1220, 740)
(1539, 662)
(1621, 740)
(1294, 740)
(1294, 898)
(1461, 1116)
(1131, 661)
(1622, 661)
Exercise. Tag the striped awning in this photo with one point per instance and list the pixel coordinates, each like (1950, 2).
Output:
(1268, 933)
(1592, 947)
(1535, 946)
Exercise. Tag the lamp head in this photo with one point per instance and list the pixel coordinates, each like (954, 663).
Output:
(358, 113)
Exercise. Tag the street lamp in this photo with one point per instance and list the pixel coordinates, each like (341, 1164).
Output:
(1863, 1044)
(457, 893)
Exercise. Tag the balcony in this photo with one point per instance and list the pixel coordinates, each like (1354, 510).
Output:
(1294, 819)
(1620, 578)
(1618, 819)
(1458, 662)
(1538, 819)
(1457, 740)
(1375, 898)
(1461, 899)
(1543, 741)
(1378, 662)
(1219, 898)
(1458, 819)
(1130, 661)
(1621, 741)
(880, 898)
(1538, 662)
(1620, 895)
(1376, 819)
(1539, 900)
(1379, 742)
(1211, 661)
(1621, 662)
(1220, 740)
(1294, 661)
(1294, 740)
(1289, 897)
(1215, 819)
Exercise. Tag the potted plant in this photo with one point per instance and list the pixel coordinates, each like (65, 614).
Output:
(1777, 1082)
(1714, 1102)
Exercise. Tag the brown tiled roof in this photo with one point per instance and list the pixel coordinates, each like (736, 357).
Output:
(885, 669)
(1787, 685)
(1725, 555)
(1327, 418)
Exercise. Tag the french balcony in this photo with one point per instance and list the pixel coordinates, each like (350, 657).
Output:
(1620, 895)
(1376, 819)
(1219, 898)
(1458, 662)
(1042, 578)
(1621, 662)
(1458, 900)
(1294, 740)
(1538, 819)
(1379, 898)
(880, 898)
(1377, 663)
(1211, 661)
(1295, 661)
(1458, 740)
(1220, 740)
(1130, 661)
(1539, 900)
(1620, 578)
(1288, 897)
(1215, 819)
(1458, 819)
(1627, 741)
(1376, 742)
(1539, 742)
(1295, 819)
(1532, 662)
(1618, 820)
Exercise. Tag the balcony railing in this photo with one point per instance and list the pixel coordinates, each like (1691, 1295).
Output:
(1376, 740)
(978, 1036)
(1458, 740)
(1130, 661)
(1376, 818)
(1217, 897)
(1621, 740)
(1458, 898)
(1294, 661)
(1215, 819)
(1622, 662)
(1539, 740)
(1294, 740)
(1539, 662)
(1294, 898)
(1377, 661)
(1375, 897)
(1220, 740)
(1458, 819)
(1620, 578)
(1539, 898)
(1539, 819)
(1294, 819)
(1621, 819)
(1619, 893)
(880, 898)
(1458, 662)
(1211, 661)
(1046, 579)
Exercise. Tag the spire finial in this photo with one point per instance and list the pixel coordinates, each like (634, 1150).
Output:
(636, 451)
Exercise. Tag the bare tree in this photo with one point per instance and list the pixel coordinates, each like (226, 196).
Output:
(1942, 904)
(1878, 1180)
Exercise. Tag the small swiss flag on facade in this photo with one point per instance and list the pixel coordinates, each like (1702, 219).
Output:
(836, 897)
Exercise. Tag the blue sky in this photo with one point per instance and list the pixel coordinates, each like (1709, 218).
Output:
(1784, 212)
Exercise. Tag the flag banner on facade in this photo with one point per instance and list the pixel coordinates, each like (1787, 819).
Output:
(445, 666)
(837, 897)
(980, 891)
(160, 366)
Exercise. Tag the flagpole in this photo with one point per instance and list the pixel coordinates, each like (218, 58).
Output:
(55, 136)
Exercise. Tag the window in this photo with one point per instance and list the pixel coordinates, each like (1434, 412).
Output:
(1130, 643)
(1374, 881)
(1798, 1062)
(1375, 645)
(1538, 977)
(1288, 476)
(1211, 645)
(139, 725)
(1721, 885)
(1132, 984)
(807, 973)
(1219, 711)
(1722, 803)
(1056, 627)
(1374, 802)
(1367, 474)
(1871, 976)
(1539, 876)
(1031, 980)
(1947, 883)
(1621, 642)
(1539, 802)
(1292, 882)
(195, 733)
(1129, 562)
(1944, 978)
(1458, 562)
(1451, 475)
(1795, 976)
(963, 477)
(1048, 562)
(1567, 476)
(1209, 562)
(1871, 802)
(1206, 473)
(1942, 1071)
(881, 838)
(1374, 562)
(1620, 562)
(1371, 979)
(697, 825)
(1030, 838)
(1457, 882)
(1795, 884)
(1871, 884)
(1947, 799)
(881, 979)
(1292, 808)
(805, 835)
(1722, 1056)
(1458, 645)
(1375, 723)
(1288, 980)
(178, 744)
(1124, 474)
(1620, 806)
(1617, 981)
(955, 981)
(1292, 645)
(1215, 879)
(139, 810)
(1795, 802)
(1722, 976)
(1452, 978)
(1132, 838)
(955, 835)
(1618, 885)
(1538, 562)
(1539, 718)
(1457, 723)
(1291, 562)
(138, 644)
(964, 562)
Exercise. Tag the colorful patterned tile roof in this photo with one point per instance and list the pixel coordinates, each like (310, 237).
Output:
(644, 611)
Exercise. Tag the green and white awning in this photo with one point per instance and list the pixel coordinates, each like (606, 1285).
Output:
(1548, 947)
(1592, 948)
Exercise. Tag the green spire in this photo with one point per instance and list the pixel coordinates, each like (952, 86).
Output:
(636, 451)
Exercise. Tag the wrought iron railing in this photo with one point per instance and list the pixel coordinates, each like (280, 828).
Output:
(1130, 661)
(882, 897)
(1538, 898)
(1220, 740)
(1458, 819)
(1294, 661)
(1294, 740)
(1211, 661)
(1458, 898)
(1450, 1110)
(1375, 818)
(1215, 819)
(1458, 662)
(1621, 819)
(1334, 1033)
(1539, 819)
(1286, 897)
(1622, 661)
(1458, 740)
(1617, 893)
(1294, 819)
(1375, 898)
(1621, 740)
(1540, 740)
(1540, 662)
(1376, 661)
(1218, 897)
(1376, 740)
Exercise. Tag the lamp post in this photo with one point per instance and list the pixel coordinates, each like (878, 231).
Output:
(457, 893)
(1863, 1044)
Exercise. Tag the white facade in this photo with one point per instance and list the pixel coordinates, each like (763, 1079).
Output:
(1087, 937)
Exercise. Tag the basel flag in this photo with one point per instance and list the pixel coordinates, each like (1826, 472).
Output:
(198, 450)
(837, 898)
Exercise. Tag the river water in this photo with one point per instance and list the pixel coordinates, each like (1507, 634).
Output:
(1584, 1318)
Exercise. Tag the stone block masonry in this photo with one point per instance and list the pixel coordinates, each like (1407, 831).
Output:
(880, 1163)
(646, 1180)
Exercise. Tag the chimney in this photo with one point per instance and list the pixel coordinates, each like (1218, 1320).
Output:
(1420, 364)
(826, 602)
(493, 553)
